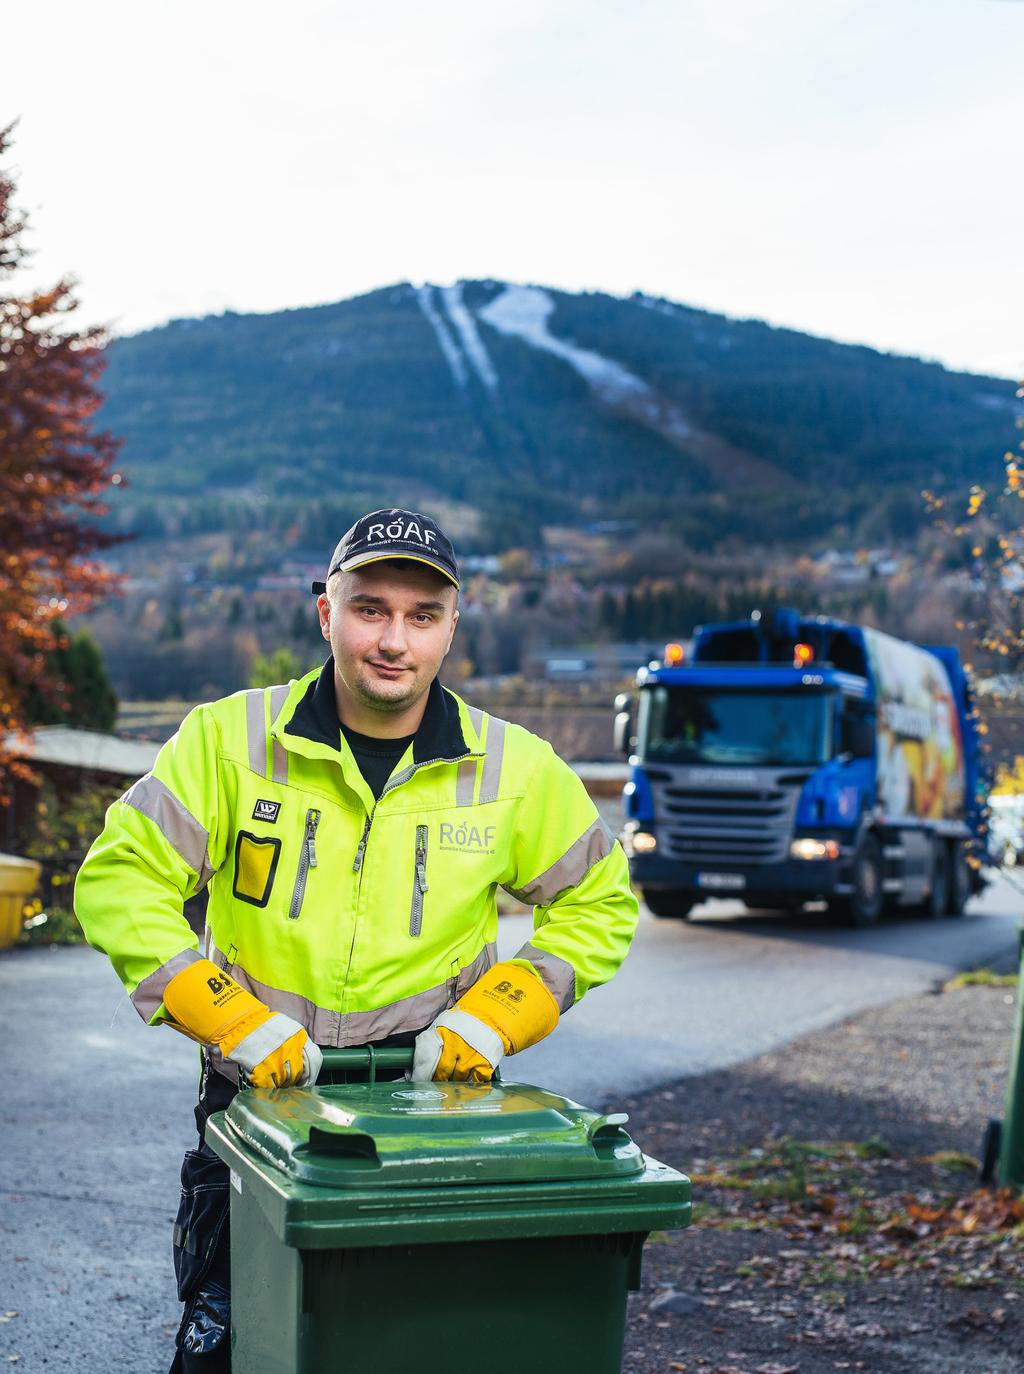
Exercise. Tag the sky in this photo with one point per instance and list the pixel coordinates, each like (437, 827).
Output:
(846, 167)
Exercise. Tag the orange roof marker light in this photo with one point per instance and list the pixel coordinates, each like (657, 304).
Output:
(673, 655)
(802, 655)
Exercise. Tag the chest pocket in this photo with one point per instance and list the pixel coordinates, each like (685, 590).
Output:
(256, 859)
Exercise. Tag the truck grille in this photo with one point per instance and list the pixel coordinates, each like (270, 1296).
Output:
(725, 816)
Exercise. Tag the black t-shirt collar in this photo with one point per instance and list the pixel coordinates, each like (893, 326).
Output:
(440, 735)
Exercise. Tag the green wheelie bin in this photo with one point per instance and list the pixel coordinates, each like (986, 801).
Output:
(381, 1227)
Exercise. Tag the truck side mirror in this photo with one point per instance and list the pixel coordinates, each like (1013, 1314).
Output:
(623, 739)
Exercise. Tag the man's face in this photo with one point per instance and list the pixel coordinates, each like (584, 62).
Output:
(389, 626)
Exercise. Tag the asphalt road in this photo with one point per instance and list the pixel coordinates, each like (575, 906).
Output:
(97, 1108)
(729, 985)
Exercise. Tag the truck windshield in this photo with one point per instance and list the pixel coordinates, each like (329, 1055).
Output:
(712, 725)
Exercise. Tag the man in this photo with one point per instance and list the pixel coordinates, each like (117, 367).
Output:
(353, 828)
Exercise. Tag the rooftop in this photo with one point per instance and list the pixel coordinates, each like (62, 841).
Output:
(86, 749)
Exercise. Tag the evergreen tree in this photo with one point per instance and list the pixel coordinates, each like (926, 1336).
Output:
(88, 701)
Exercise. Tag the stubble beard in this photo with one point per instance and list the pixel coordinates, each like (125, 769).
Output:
(375, 694)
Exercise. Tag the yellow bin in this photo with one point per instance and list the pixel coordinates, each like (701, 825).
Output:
(18, 879)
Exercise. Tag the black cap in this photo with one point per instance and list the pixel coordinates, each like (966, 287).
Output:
(393, 533)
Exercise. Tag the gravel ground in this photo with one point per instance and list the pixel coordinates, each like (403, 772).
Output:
(839, 1223)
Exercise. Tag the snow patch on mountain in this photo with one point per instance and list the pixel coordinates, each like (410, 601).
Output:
(476, 353)
(450, 349)
(524, 311)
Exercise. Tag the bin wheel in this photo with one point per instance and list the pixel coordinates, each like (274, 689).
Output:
(864, 905)
(669, 903)
(959, 880)
(936, 904)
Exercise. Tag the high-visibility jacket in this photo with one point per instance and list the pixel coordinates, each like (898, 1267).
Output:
(358, 918)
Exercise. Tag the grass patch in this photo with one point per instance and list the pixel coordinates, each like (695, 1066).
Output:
(955, 1160)
(982, 978)
(875, 1148)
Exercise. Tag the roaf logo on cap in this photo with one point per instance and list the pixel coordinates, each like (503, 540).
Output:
(396, 529)
(393, 533)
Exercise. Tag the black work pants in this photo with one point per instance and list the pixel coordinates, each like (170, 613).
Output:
(202, 1253)
(202, 1233)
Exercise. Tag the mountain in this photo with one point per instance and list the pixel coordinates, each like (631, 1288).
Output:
(507, 408)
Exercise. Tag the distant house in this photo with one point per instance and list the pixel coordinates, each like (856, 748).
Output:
(597, 663)
(70, 760)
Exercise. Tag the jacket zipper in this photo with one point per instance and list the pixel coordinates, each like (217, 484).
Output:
(419, 882)
(360, 854)
(357, 862)
(307, 860)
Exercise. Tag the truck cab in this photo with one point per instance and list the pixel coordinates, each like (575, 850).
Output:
(791, 758)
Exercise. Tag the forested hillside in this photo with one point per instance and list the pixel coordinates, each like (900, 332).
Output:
(511, 408)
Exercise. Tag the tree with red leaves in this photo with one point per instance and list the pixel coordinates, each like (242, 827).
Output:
(54, 472)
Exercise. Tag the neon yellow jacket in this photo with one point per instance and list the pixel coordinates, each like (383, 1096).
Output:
(358, 919)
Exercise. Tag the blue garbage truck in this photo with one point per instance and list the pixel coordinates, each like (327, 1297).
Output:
(789, 758)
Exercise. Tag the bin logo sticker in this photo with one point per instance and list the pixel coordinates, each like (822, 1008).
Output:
(421, 1095)
(920, 747)
(266, 810)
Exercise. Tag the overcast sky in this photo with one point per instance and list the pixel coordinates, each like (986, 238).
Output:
(848, 167)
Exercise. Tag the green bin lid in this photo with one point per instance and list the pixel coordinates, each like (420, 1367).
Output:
(429, 1134)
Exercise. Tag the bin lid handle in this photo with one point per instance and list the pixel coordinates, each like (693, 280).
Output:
(606, 1131)
(346, 1143)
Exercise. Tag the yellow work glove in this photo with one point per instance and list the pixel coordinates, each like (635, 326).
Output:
(207, 1005)
(506, 1010)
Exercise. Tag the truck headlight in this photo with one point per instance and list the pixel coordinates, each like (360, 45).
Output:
(814, 849)
(644, 843)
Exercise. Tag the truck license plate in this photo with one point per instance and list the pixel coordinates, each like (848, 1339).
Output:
(722, 882)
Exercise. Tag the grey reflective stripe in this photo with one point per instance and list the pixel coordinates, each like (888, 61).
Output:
(557, 975)
(188, 838)
(278, 697)
(569, 871)
(149, 994)
(492, 763)
(183, 1239)
(465, 782)
(476, 717)
(256, 729)
(268, 1036)
(327, 1027)
(476, 1033)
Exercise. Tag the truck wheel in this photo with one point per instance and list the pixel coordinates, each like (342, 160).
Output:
(670, 903)
(959, 880)
(936, 904)
(864, 905)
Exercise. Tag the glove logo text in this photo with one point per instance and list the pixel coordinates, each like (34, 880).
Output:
(468, 839)
(266, 810)
(514, 994)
